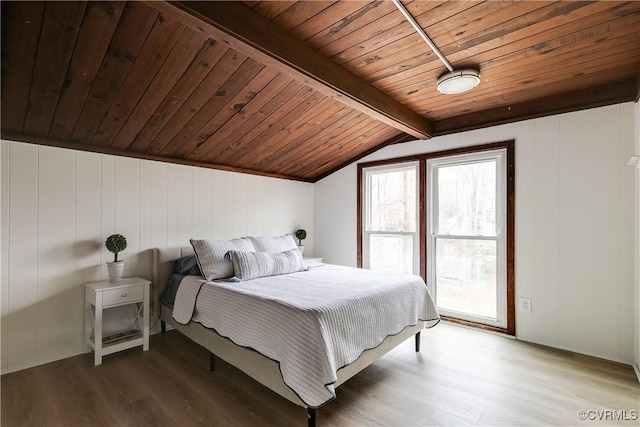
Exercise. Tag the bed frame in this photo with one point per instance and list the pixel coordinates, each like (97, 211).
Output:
(252, 363)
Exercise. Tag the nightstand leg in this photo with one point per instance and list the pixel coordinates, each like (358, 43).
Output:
(88, 325)
(145, 319)
(97, 335)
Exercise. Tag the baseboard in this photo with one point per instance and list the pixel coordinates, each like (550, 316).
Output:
(636, 368)
(42, 362)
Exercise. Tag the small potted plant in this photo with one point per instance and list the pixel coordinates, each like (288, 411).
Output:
(301, 235)
(115, 244)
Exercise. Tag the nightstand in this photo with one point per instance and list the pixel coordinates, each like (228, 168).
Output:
(100, 296)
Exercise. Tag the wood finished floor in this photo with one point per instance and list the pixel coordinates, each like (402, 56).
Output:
(461, 377)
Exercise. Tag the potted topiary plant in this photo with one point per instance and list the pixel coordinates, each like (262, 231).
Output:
(115, 244)
(301, 235)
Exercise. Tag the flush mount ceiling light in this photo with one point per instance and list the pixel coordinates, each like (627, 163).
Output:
(455, 81)
(458, 81)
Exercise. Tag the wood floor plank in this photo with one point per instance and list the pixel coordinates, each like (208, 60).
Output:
(461, 377)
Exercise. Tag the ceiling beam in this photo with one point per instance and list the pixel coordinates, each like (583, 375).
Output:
(252, 34)
(614, 93)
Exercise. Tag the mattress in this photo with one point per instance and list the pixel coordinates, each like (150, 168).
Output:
(313, 322)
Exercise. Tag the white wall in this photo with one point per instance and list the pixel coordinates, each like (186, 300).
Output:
(637, 242)
(574, 224)
(59, 205)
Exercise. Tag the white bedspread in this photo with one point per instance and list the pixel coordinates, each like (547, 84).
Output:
(312, 322)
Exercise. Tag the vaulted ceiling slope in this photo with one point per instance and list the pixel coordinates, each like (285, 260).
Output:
(298, 89)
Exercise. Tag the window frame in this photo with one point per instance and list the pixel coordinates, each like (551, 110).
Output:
(509, 227)
(366, 173)
(432, 164)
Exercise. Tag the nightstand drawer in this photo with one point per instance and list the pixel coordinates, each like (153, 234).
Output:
(122, 295)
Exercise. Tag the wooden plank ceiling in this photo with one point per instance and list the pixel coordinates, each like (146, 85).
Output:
(298, 89)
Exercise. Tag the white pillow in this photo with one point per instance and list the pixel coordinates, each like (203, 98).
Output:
(210, 255)
(251, 265)
(274, 244)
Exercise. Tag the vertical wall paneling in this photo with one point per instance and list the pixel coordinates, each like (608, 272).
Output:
(88, 213)
(636, 121)
(87, 249)
(145, 257)
(238, 208)
(172, 206)
(58, 207)
(218, 204)
(4, 246)
(230, 196)
(19, 323)
(576, 219)
(625, 223)
(57, 292)
(574, 216)
(304, 201)
(636, 258)
(126, 203)
(606, 233)
(270, 190)
(201, 203)
(159, 205)
(185, 205)
(525, 236)
(108, 214)
(288, 206)
(273, 192)
(254, 200)
(127, 212)
(545, 230)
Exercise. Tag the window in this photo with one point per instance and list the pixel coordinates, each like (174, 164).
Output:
(391, 212)
(448, 216)
(466, 245)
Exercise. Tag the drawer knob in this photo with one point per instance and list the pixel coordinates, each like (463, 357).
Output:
(123, 296)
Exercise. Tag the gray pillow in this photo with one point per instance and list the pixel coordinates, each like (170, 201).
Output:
(187, 265)
(210, 255)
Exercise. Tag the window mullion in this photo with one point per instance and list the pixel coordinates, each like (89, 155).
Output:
(465, 237)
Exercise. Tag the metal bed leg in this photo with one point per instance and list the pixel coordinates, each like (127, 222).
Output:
(212, 362)
(163, 327)
(418, 342)
(311, 417)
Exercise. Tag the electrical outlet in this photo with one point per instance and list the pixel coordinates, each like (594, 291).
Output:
(525, 305)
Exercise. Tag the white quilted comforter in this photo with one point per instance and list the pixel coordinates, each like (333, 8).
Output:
(311, 322)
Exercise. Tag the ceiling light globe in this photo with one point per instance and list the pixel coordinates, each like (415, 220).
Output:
(458, 81)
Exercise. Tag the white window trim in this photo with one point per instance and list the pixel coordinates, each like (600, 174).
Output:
(500, 156)
(366, 212)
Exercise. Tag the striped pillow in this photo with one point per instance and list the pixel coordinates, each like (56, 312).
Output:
(210, 255)
(251, 265)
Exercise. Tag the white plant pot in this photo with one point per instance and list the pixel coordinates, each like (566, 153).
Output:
(301, 248)
(115, 268)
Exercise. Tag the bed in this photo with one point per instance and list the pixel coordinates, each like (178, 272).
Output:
(260, 364)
